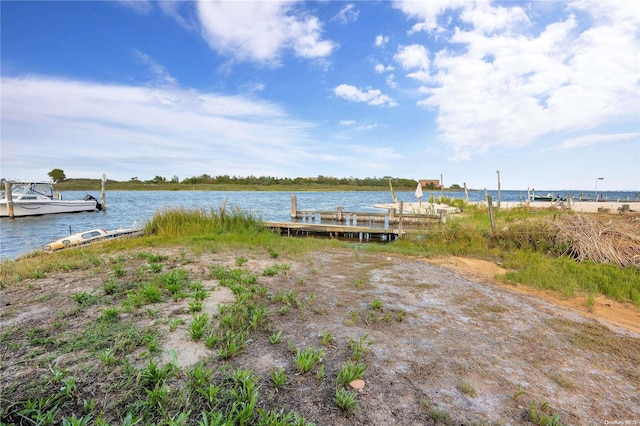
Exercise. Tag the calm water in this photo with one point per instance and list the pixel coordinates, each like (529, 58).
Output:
(126, 208)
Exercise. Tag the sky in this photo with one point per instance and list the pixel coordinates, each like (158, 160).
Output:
(538, 94)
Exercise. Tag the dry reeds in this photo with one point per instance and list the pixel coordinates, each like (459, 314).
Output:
(602, 239)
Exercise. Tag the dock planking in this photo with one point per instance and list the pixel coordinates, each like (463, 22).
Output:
(360, 233)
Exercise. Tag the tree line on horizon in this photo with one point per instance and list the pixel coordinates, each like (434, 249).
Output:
(58, 175)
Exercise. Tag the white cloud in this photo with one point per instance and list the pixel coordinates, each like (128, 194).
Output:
(161, 77)
(370, 96)
(381, 69)
(414, 57)
(506, 88)
(599, 139)
(381, 40)
(261, 31)
(487, 18)
(347, 14)
(143, 131)
(427, 11)
(140, 6)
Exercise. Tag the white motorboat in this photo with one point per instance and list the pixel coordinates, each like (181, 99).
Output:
(37, 198)
(91, 236)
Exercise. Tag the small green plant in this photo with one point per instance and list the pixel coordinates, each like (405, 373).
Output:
(198, 326)
(350, 371)
(590, 302)
(270, 271)
(155, 267)
(346, 399)
(275, 338)
(320, 373)
(241, 261)
(440, 416)
(110, 286)
(400, 315)
(151, 293)
(174, 323)
(195, 306)
(278, 377)
(518, 393)
(107, 356)
(118, 271)
(467, 388)
(359, 348)
(111, 314)
(326, 337)
(274, 254)
(85, 299)
(307, 359)
(376, 304)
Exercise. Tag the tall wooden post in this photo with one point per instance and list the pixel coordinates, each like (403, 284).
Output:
(466, 193)
(103, 198)
(7, 190)
(294, 206)
(491, 218)
(400, 219)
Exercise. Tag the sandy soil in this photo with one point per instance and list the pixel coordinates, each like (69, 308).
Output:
(468, 349)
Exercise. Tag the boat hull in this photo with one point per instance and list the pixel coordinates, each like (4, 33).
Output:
(42, 207)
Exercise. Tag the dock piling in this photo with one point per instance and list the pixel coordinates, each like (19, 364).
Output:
(7, 190)
(103, 197)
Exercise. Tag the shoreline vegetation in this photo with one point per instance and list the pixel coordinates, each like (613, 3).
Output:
(116, 348)
(251, 183)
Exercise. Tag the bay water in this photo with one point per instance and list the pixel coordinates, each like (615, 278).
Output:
(126, 209)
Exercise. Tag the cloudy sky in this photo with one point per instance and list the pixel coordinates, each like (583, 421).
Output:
(545, 92)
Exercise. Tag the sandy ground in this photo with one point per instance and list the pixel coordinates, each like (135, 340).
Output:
(466, 347)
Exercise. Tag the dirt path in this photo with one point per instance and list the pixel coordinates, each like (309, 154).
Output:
(447, 344)
(605, 310)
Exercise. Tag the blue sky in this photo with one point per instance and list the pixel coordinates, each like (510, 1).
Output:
(545, 92)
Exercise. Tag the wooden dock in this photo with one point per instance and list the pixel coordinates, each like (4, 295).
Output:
(357, 226)
(359, 233)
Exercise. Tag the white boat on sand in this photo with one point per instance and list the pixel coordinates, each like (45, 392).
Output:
(37, 198)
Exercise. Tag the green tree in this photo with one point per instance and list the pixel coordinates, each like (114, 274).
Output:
(57, 175)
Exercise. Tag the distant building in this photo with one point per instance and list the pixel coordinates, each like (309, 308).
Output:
(430, 183)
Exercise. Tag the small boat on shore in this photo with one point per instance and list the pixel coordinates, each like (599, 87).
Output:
(37, 198)
(91, 236)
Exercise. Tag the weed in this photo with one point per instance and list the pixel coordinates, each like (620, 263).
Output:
(376, 304)
(274, 254)
(155, 267)
(270, 271)
(326, 337)
(350, 371)
(195, 306)
(467, 388)
(346, 399)
(111, 314)
(359, 348)
(174, 323)
(151, 293)
(85, 299)
(518, 393)
(107, 356)
(198, 326)
(590, 302)
(440, 416)
(320, 373)
(307, 359)
(400, 315)
(110, 286)
(241, 261)
(278, 377)
(275, 338)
